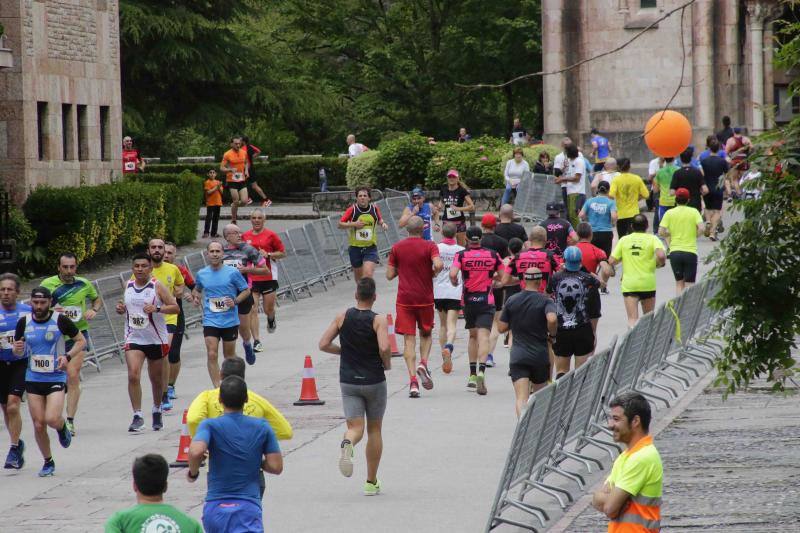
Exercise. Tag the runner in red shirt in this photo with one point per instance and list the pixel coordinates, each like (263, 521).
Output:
(132, 161)
(415, 261)
(595, 262)
(269, 244)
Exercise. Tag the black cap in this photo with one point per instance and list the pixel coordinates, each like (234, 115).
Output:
(554, 207)
(41, 292)
(603, 186)
(474, 234)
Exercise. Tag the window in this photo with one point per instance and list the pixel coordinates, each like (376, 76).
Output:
(41, 129)
(795, 105)
(83, 134)
(105, 141)
(788, 105)
(644, 4)
(67, 133)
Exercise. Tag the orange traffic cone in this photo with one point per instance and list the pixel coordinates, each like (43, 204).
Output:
(392, 337)
(308, 389)
(183, 445)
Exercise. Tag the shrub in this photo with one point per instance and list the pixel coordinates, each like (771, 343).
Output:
(186, 196)
(477, 161)
(531, 154)
(403, 162)
(361, 170)
(30, 257)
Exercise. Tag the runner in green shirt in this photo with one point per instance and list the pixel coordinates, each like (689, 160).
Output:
(640, 254)
(151, 513)
(661, 182)
(681, 226)
(70, 294)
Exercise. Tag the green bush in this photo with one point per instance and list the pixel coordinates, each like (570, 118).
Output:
(30, 257)
(478, 162)
(531, 154)
(186, 196)
(402, 162)
(361, 170)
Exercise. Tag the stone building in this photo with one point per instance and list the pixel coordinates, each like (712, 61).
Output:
(60, 102)
(728, 68)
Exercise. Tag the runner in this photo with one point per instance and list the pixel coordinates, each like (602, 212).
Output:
(360, 219)
(446, 296)
(660, 184)
(690, 178)
(234, 164)
(271, 248)
(601, 212)
(715, 167)
(738, 148)
(494, 242)
(221, 287)
(40, 337)
(132, 161)
(455, 202)
(601, 149)
(627, 189)
(415, 262)
(531, 317)
(247, 260)
(535, 256)
(425, 210)
(507, 228)
(146, 302)
(595, 262)
(511, 286)
(560, 233)
(252, 152)
(571, 289)
(608, 174)
(640, 254)
(478, 267)
(12, 368)
(170, 254)
(680, 227)
(365, 356)
(70, 293)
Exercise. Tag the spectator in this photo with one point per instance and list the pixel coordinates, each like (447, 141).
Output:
(516, 169)
(574, 178)
(463, 136)
(132, 161)
(323, 178)
(213, 194)
(354, 149)
(519, 136)
(543, 164)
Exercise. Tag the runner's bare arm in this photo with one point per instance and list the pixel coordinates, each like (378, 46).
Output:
(502, 327)
(169, 306)
(661, 258)
(407, 214)
(97, 304)
(469, 205)
(326, 343)
(438, 265)
(454, 275)
(381, 327)
(79, 344)
(272, 463)
(391, 272)
(242, 296)
(197, 451)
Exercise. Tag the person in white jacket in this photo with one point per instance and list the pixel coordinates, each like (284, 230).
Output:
(515, 170)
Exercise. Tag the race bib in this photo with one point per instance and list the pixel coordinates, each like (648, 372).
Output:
(238, 176)
(364, 234)
(452, 212)
(44, 364)
(73, 312)
(138, 321)
(6, 340)
(130, 165)
(235, 263)
(217, 305)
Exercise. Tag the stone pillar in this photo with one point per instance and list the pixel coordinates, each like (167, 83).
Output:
(553, 87)
(769, 78)
(702, 70)
(759, 13)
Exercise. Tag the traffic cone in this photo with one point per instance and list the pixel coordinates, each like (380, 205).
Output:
(308, 389)
(392, 337)
(183, 445)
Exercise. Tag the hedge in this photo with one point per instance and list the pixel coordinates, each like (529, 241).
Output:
(186, 193)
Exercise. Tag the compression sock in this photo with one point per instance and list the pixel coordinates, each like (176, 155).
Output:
(482, 368)
(70, 419)
(473, 369)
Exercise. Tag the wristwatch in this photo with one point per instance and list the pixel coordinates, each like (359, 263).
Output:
(68, 356)
(158, 309)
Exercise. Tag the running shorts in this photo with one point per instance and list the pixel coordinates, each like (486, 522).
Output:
(411, 317)
(264, 287)
(245, 306)
(361, 254)
(12, 378)
(226, 334)
(578, 341)
(446, 304)
(624, 226)
(593, 304)
(537, 373)
(684, 266)
(713, 200)
(510, 290)
(43, 388)
(603, 240)
(478, 316)
(153, 352)
(236, 185)
(232, 516)
(360, 400)
(641, 295)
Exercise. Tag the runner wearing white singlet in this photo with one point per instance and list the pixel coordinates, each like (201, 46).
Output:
(146, 301)
(446, 297)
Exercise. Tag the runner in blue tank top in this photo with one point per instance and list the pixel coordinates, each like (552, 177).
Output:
(424, 210)
(41, 338)
(601, 149)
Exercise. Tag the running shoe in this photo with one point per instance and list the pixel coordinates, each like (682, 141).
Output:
(15, 459)
(257, 346)
(505, 340)
(48, 469)
(707, 230)
(71, 427)
(137, 424)
(720, 227)
(158, 424)
(413, 389)
(425, 376)
(271, 325)
(166, 403)
(171, 392)
(447, 358)
(249, 201)
(249, 354)
(64, 436)
(604, 290)
(346, 459)
(266, 203)
(490, 361)
(372, 489)
(481, 383)
(472, 382)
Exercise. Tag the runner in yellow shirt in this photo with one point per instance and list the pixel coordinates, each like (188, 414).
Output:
(627, 189)
(681, 226)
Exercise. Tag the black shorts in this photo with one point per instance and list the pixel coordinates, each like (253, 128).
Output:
(642, 295)
(12, 378)
(236, 185)
(713, 200)
(537, 373)
(43, 388)
(684, 266)
(226, 334)
(478, 316)
(499, 298)
(153, 352)
(593, 304)
(603, 240)
(510, 290)
(624, 226)
(447, 304)
(578, 341)
(264, 287)
(172, 328)
(175, 346)
(600, 165)
(245, 306)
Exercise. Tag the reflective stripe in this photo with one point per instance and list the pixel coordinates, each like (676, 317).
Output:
(644, 500)
(633, 523)
(308, 373)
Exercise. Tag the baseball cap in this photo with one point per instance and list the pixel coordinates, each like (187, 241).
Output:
(41, 292)
(554, 207)
(682, 192)
(474, 234)
(572, 258)
(737, 129)
(453, 172)
(489, 220)
(417, 192)
(603, 186)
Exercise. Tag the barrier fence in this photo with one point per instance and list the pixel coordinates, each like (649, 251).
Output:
(659, 358)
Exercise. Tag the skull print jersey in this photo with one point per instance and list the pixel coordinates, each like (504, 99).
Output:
(570, 291)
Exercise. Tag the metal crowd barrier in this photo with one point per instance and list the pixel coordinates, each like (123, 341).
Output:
(533, 195)
(666, 347)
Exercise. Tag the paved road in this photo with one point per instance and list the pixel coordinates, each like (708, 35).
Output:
(442, 457)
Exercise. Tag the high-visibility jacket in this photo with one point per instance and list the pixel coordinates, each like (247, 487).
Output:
(638, 471)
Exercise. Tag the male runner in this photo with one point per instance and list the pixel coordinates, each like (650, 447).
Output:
(132, 161)
(234, 164)
(494, 242)
(415, 261)
(601, 212)
(738, 148)
(446, 297)
(253, 151)
(170, 254)
(601, 149)
(535, 256)
(360, 220)
(479, 267)
(222, 287)
(365, 356)
(12, 368)
(560, 232)
(70, 293)
(680, 227)
(40, 338)
(269, 244)
(145, 306)
(427, 211)
(507, 228)
(247, 261)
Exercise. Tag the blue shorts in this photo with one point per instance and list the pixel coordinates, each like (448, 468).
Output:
(69, 343)
(232, 516)
(360, 254)
(663, 209)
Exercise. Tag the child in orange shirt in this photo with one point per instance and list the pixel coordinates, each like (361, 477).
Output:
(213, 192)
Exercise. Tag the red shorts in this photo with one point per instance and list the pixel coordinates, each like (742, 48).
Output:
(408, 318)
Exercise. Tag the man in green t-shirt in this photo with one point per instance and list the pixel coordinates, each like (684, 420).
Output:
(681, 227)
(640, 254)
(151, 513)
(661, 181)
(70, 293)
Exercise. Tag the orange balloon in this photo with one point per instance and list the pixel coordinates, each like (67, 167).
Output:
(668, 133)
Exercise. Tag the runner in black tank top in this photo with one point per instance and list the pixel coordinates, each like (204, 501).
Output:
(360, 358)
